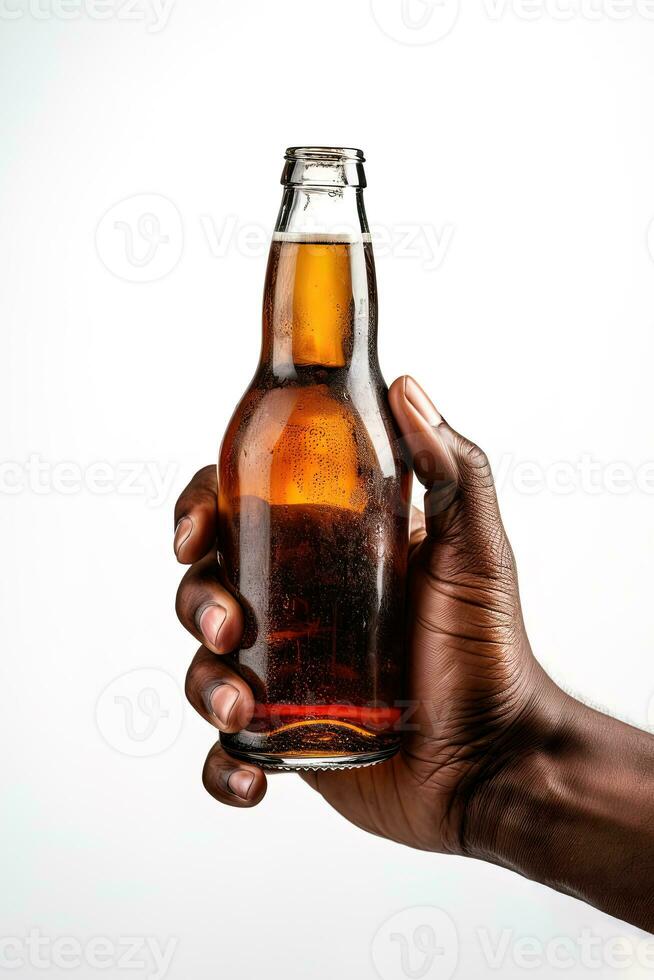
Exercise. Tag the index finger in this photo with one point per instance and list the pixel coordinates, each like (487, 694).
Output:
(196, 517)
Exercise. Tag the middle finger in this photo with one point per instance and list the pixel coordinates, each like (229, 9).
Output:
(207, 608)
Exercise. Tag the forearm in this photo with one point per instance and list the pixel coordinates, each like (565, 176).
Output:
(577, 814)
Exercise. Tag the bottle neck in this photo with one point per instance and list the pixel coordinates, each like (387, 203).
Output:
(320, 302)
(333, 212)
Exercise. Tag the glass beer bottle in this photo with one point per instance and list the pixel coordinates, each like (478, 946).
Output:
(314, 493)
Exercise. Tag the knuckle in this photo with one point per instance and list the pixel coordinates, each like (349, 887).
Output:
(204, 474)
(204, 484)
(478, 551)
(203, 676)
(182, 601)
(476, 464)
(207, 781)
(210, 771)
(179, 600)
(201, 488)
(194, 592)
(190, 684)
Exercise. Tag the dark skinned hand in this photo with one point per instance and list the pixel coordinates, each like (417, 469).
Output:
(477, 692)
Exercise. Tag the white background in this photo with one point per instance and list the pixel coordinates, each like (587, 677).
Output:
(522, 140)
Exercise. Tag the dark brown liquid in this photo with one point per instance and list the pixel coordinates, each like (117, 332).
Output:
(325, 597)
(313, 504)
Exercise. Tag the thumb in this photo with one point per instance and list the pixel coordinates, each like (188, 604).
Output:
(460, 501)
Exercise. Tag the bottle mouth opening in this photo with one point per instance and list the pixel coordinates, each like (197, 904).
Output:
(323, 166)
(328, 154)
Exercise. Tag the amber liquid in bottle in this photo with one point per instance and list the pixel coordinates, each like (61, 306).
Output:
(313, 504)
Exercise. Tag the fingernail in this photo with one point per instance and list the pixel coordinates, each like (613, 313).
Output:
(182, 533)
(239, 782)
(222, 701)
(422, 404)
(211, 621)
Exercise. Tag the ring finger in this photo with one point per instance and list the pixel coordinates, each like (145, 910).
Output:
(217, 692)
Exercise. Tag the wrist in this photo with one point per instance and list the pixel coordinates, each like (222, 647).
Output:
(571, 807)
(508, 793)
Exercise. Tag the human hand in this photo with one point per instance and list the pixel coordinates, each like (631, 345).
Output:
(477, 695)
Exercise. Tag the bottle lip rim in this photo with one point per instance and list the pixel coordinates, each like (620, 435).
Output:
(327, 153)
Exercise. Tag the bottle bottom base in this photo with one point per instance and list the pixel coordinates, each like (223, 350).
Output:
(309, 763)
(315, 736)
